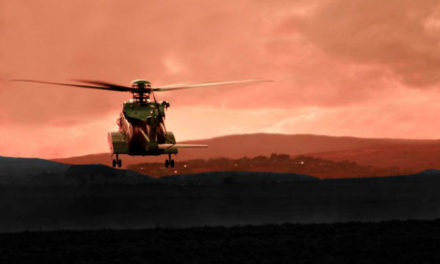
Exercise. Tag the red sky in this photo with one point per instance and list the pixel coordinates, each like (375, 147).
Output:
(366, 68)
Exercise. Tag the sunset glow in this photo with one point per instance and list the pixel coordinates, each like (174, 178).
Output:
(356, 68)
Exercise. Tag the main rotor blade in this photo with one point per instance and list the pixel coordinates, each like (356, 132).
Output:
(107, 84)
(197, 85)
(119, 89)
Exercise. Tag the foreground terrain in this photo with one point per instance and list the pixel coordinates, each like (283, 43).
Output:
(383, 242)
(90, 197)
(44, 195)
(107, 211)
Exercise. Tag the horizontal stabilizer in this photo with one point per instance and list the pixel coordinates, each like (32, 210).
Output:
(168, 146)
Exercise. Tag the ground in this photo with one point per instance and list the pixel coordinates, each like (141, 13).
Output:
(382, 242)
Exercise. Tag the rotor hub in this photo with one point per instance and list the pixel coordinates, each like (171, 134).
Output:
(139, 83)
(142, 90)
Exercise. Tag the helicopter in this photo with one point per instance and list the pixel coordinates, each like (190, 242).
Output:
(141, 122)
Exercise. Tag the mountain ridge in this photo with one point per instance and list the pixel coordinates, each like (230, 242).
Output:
(407, 155)
(251, 145)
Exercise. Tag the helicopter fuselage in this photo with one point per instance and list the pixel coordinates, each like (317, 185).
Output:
(142, 129)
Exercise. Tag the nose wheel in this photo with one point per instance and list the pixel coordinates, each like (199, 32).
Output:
(117, 162)
(169, 162)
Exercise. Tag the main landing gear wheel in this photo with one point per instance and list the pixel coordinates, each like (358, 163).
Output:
(117, 162)
(169, 162)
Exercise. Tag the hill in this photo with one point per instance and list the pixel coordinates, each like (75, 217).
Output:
(410, 157)
(283, 163)
(252, 145)
(39, 172)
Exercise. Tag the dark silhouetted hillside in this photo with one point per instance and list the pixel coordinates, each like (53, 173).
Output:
(96, 197)
(34, 172)
(236, 177)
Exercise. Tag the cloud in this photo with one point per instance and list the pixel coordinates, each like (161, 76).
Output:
(401, 35)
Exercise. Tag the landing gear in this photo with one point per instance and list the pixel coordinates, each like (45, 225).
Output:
(117, 162)
(169, 162)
